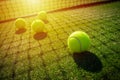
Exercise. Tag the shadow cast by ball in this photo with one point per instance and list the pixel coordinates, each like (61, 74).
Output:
(20, 31)
(88, 61)
(40, 36)
(45, 21)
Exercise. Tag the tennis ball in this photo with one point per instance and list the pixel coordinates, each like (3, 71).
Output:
(20, 23)
(78, 41)
(42, 15)
(37, 26)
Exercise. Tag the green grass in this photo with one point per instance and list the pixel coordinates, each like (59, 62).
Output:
(24, 58)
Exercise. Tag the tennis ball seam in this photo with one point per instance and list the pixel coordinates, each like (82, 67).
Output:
(78, 41)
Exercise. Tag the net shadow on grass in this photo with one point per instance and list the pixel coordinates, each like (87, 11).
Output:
(88, 61)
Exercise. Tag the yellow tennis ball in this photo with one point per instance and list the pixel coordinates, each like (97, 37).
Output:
(20, 23)
(38, 26)
(42, 15)
(79, 41)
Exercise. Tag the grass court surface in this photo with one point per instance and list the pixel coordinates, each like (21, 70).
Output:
(24, 58)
